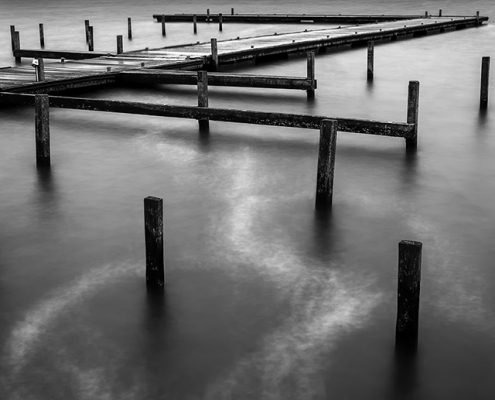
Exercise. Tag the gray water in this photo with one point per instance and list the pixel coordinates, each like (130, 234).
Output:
(264, 299)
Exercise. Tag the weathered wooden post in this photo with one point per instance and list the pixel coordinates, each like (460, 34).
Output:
(220, 20)
(39, 68)
(163, 25)
(129, 28)
(120, 44)
(91, 43)
(17, 45)
(86, 29)
(12, 31)
(42, 128)
(412, 111)
(485, 80)
(310, 66)
(371, 56)
(326, 164)
(195, 24)
(426, 14)
(203, 97)
(207, 15)
(214, 54)
(153, 233)
(406, 332)
(439, 13)
(477, 18)
(42, 37)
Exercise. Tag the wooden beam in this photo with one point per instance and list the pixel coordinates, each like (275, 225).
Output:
(57, 54)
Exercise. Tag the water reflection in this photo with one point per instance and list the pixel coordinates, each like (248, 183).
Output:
(404, 372)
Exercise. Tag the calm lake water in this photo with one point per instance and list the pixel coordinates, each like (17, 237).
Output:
(264, 299)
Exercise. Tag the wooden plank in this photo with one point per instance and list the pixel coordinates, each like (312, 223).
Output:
(73, 55)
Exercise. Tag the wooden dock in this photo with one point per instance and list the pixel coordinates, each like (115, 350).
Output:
(105, 68)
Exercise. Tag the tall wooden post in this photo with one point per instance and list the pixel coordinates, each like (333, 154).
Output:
(477, 18)
(214, 54)
(195, 24)
(326, 164)
(439, 13)
(412, 111)
(42, 129)
(408, 288)
(17, 45)
(207, 15)
(120, 44)
(485, 80)
(42, 37)
(310, 66)
(232, 11)
(426, 14)
(371, 56)
(86, 29)
(163, 25)
(129, 28)
(40, 70)
(203, 96)
(220, 20)
(153, 233)
(12, 32)
(91, 43)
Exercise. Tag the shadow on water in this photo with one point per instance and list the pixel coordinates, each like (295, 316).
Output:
(404, 372)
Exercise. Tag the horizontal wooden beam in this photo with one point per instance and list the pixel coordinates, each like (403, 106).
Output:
(395, 129)
(56, 54)
(217, 79)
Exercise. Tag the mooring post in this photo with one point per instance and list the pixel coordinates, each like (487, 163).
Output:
(120, 44)
(86, 28)
(207, 15)
(195, 23)
(439, 13)
(485, 80)
(406, 332)
(203, 96)
(17, 45)
(371, 56)
(412, 111)
(39, 68)
(214, 54)
(129, 28)
(163, 25)
(310, 65)
(42, 128)
(91, 43)
(12, 31)
(326, 164)
(426, 14)
(220, 19)
(153, 233)
(42, 37)
(232, 11)
(477, 18)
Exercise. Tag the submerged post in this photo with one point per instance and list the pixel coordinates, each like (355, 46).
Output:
(371, 55)
(42, 129)
(86, 29)
(163, 25)
(12, 32)
(120, 44)
(220, 20)
(203, 96)
(17, 45)
(214, 54)
(406, 332)
(153, 233)
(485, 80)
(129, 28)
(326, 164)
(412, 111)
(91, 43)
(310, 65)
(42, 36)
(195, 24)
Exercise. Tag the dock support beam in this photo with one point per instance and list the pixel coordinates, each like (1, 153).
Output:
(153, 233)
(220, 20)
(311, 73)
(42, 36)
(120, 44)
(163, 25)
(203, 97)
(42, 128)
(129, 28)
(214, 54)
(91, 43)
(412, 111)
(195, 24)
(371, 56)
(17, 45)
(86, 29)
(485, 80)
(326, 164)
(408, 288)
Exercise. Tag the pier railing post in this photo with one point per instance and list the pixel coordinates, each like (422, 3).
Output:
(42, 128)
(42, 37)
(153, 233)
(129, 28)
(220, 20)
(371, 56)
(326, 164)
(91, 43)
(408, 289)
(310, 66)
(214, 54)
(164, 33)
(12, 32)
(120, 44)
(195, 24)
(86, 29)
(203, 97)
(485, 80)
(17, 45)
(412, 111)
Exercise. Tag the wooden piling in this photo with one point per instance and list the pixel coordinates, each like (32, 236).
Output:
(91, 43)
(120, 44)
(220, 19)
(86, 29)
(412, 111)
(129, 28)
(12, 32)
(485, 80)
(426, 14)
(153, 233)
(371, 56)
(163, 25)
(195, 24)
(42, 129)
(326, 164)
(477, 18)
(40, 70)
(439, 13)
(232, 11)
(42, 37)
(214, 54)
(203, 97)
(207, 15)
(17, 45)
(408, 289)
(310, 66)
